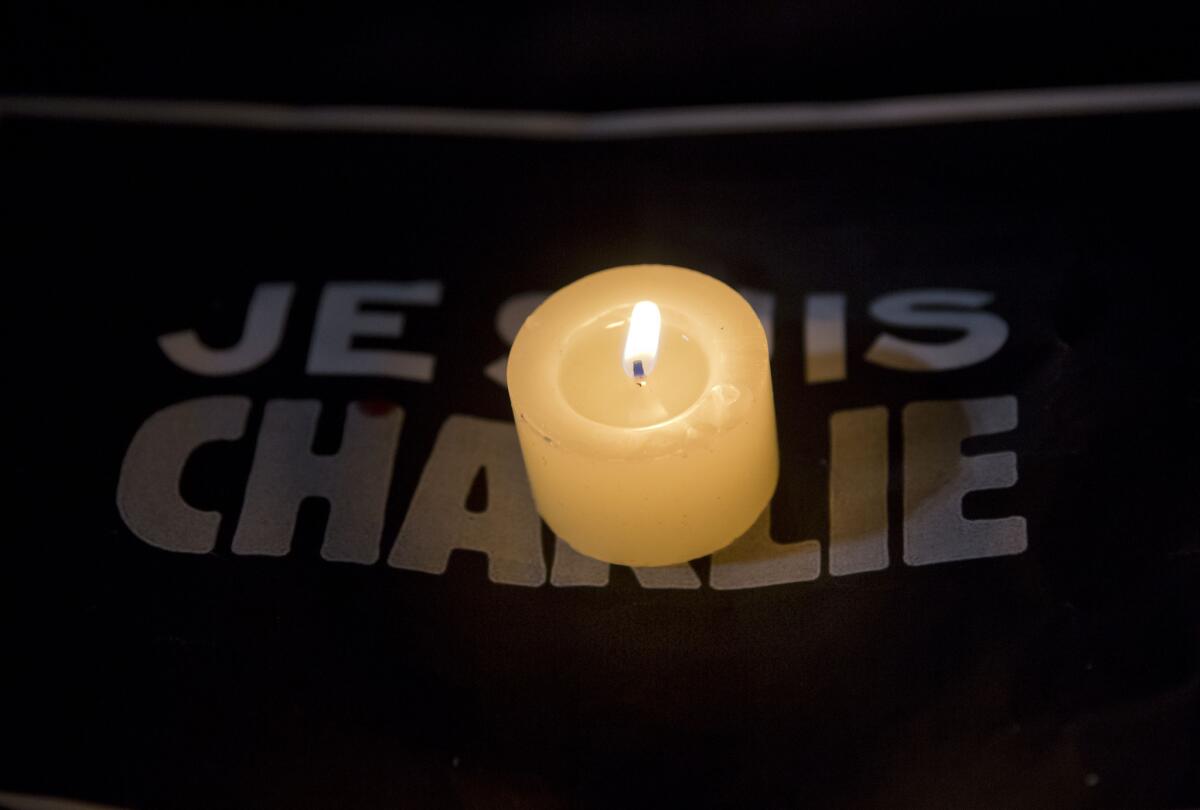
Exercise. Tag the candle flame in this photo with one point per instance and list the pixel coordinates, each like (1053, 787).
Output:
(641, 343)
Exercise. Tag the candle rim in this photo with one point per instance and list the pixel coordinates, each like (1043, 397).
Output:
(741, 350)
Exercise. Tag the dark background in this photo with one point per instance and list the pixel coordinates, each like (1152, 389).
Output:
(152, 680)
(574, 56)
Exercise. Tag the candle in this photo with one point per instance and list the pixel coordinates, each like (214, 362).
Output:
(642, 399)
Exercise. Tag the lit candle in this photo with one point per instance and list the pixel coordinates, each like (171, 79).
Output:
(642, 398)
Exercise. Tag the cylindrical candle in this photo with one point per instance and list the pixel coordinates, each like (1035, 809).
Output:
(648, 435)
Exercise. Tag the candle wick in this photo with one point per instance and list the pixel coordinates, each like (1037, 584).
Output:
(639, 373)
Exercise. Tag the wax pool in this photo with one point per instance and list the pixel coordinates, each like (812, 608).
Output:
(649, 468)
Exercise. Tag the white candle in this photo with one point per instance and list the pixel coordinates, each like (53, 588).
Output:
(642, 398)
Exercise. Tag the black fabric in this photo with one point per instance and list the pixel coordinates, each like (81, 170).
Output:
(151, 679)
